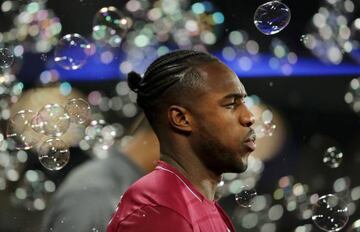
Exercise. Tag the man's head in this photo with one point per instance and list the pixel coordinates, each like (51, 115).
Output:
(193, 97)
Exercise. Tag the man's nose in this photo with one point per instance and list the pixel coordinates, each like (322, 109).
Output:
(247, 119)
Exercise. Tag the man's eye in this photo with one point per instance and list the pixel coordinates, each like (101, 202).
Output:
(230, 106)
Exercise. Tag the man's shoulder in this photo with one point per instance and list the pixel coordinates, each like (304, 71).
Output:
(155, 189)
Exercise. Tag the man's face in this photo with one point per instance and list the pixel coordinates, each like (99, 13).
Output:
(221, 133)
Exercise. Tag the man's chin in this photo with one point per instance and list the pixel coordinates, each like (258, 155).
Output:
(238, 166)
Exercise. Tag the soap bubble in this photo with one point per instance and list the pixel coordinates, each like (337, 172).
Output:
(78, 110)
(43, 57)
(110, 26)
(245, 197)
(332, 157)
(72, 51)
(99, 134)
(6, 58)
(54, 154)
(19, 130)
(272, 17)
(330, 213)
(53, 120)
(20, 121)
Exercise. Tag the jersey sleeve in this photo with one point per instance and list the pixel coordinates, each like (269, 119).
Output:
(151, 219)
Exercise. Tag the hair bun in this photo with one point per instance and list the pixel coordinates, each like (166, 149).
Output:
(134, 80)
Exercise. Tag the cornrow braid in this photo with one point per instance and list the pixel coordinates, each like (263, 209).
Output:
(173, 70)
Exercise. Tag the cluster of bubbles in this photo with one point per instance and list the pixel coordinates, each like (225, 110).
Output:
(10, 91)
(334, 32)
(241, 49)
(34, 26)
(241, 186)
(143, 30)
(272, 17)
(244, 53)
(283, 58)
(11, 162)
(329, 212)
(100, 135)
(33, 191)
(264, 125)
(261, 216)
(295, 197)
(29, 189)
(52, 120)
(352, 96)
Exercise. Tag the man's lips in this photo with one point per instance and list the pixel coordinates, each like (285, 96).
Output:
(250, 141)
(250, 144)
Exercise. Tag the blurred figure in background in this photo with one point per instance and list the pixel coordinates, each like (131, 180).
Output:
(87, 198)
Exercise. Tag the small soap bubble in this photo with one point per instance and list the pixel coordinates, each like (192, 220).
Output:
(272, 17)
(78, 110)
(332, 157)
(43, 57)
(21, 120)
(72, 51)
(19, 130)
(245, 197)
(52, 120)
(304, 39)
(110, 26)
(54, 154)
(6, 58)
(330, 213)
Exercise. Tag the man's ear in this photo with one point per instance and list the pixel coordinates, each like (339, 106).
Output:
(179, 118)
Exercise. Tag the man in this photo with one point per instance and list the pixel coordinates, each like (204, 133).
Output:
(87, 198)
(195, 105)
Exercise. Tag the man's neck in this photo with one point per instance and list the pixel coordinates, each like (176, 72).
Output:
(194, 170)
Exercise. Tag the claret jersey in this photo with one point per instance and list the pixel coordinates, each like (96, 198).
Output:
(164, 200)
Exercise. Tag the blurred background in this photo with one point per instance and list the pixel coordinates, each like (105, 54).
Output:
(299, 61)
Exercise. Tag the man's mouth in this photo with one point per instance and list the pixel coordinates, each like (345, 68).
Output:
(250, 141)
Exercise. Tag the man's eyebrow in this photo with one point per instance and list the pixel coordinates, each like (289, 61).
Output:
(235, 95)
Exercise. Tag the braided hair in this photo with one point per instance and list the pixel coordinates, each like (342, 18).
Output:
(172, 73)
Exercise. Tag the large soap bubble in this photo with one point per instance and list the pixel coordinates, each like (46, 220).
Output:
(272, 17)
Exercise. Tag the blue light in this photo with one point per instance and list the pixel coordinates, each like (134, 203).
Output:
(65, 88)
(198, 8)
(218, 17)
(260, 68)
